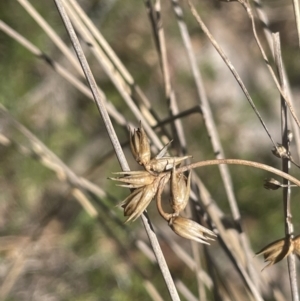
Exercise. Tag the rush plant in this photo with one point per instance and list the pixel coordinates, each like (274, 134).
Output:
(209, 79)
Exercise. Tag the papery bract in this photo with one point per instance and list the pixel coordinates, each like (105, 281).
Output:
(277, 250)
(189, 229)
(140, 146)
(135, 179)
(137, 202)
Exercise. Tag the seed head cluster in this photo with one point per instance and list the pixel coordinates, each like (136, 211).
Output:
(280, 249)
(149, 183)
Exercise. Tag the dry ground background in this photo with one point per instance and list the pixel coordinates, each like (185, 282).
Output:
(57, 244)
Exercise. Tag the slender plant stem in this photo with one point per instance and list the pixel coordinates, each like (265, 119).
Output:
(289, 228)
(258, 5)
(111, 55)
(159, 35)
(93, 86)
(212, 132)
(230, 66)
(283, 93)
(240, 162)
(52, 34)
(116, 144)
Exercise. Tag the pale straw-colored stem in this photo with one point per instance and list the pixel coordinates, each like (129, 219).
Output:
(286, 192)
(116, 144)
(240, 162)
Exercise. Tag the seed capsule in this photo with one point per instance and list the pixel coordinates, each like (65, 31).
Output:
(277, 250)
(180, 191)
(272, 184)
(280, 151)
(189, 229)
(135, 179)
(140, 146)
(137, 202)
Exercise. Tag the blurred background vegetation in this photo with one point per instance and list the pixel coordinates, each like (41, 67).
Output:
(52, 249)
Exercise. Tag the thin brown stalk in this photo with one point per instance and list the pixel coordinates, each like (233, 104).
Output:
(69, 55)
(102, 42)
(212, 132)
(130, 86)
(240, 162)
(282, 92)
(230, 66)
(178, 132)
(149, 254)
(119, 152)
(133, 87)
(125, 252)
(100, 101)
(114, 76)
(268, 34)
(289, 228)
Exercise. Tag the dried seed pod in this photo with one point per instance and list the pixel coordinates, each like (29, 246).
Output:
(140, 146)
(280, 151)
(164, 163)
(277, 250)
(272, 184)
(137, 202)
(180, 191)
(135, 179)
(189, 229)
(131, 202)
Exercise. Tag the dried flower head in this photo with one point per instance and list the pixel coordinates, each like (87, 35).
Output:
(140, 146)
(134, 179)
(150, 182)
(272, 184)
(280, 151)
(277, 250)
(180, 191)
(137, 202)
(189, 229)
